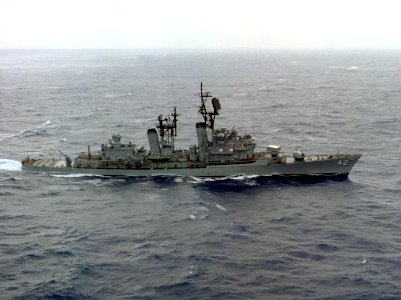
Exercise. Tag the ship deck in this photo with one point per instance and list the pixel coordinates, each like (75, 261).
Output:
(49, 163)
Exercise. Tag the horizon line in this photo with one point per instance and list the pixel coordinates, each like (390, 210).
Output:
(211, 48)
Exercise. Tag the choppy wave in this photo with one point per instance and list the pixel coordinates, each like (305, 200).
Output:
(31, 133)
(40, 130)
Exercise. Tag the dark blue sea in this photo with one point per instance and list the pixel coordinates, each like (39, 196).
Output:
(83, 237)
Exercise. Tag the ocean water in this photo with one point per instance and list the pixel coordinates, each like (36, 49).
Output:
(88, 237)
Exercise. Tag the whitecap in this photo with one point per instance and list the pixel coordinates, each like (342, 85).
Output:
(353, 68)
(4, 136)
(178, 179)
(191, 270)
(221, 207)
(10, 165)
(47, 123)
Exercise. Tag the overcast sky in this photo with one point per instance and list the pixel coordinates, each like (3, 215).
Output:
(291, 24)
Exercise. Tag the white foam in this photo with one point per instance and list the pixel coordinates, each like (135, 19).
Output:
(47, 123)
(10, 165)
(193, 216)
(75, 175)
(217, 179)
(195, 179)
(243, 177)
(221, 207)
(353, 68)
(4, 136)
(191, 270)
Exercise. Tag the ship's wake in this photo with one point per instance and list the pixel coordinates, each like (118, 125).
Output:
(10, 165)
(78, 175)
(232, 183)
(245, 182)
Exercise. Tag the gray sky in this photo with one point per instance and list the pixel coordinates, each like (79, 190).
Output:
(292, 24)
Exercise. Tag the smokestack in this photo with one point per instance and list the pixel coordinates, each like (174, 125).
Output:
(202, 140)
(154, 144)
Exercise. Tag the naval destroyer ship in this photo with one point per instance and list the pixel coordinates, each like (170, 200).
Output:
(218, 153)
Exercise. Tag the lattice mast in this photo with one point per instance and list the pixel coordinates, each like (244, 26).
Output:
(168, 127)
(208, 116)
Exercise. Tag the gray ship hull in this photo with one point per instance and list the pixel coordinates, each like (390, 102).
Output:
(328, 165)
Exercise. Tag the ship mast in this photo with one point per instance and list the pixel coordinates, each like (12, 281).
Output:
(168, 128)
(208, 116)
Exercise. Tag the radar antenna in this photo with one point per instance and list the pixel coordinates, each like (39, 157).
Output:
(208, 116)
(168, 127)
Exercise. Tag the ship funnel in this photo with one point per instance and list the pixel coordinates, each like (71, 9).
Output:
(202, 140)
(154, 144)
